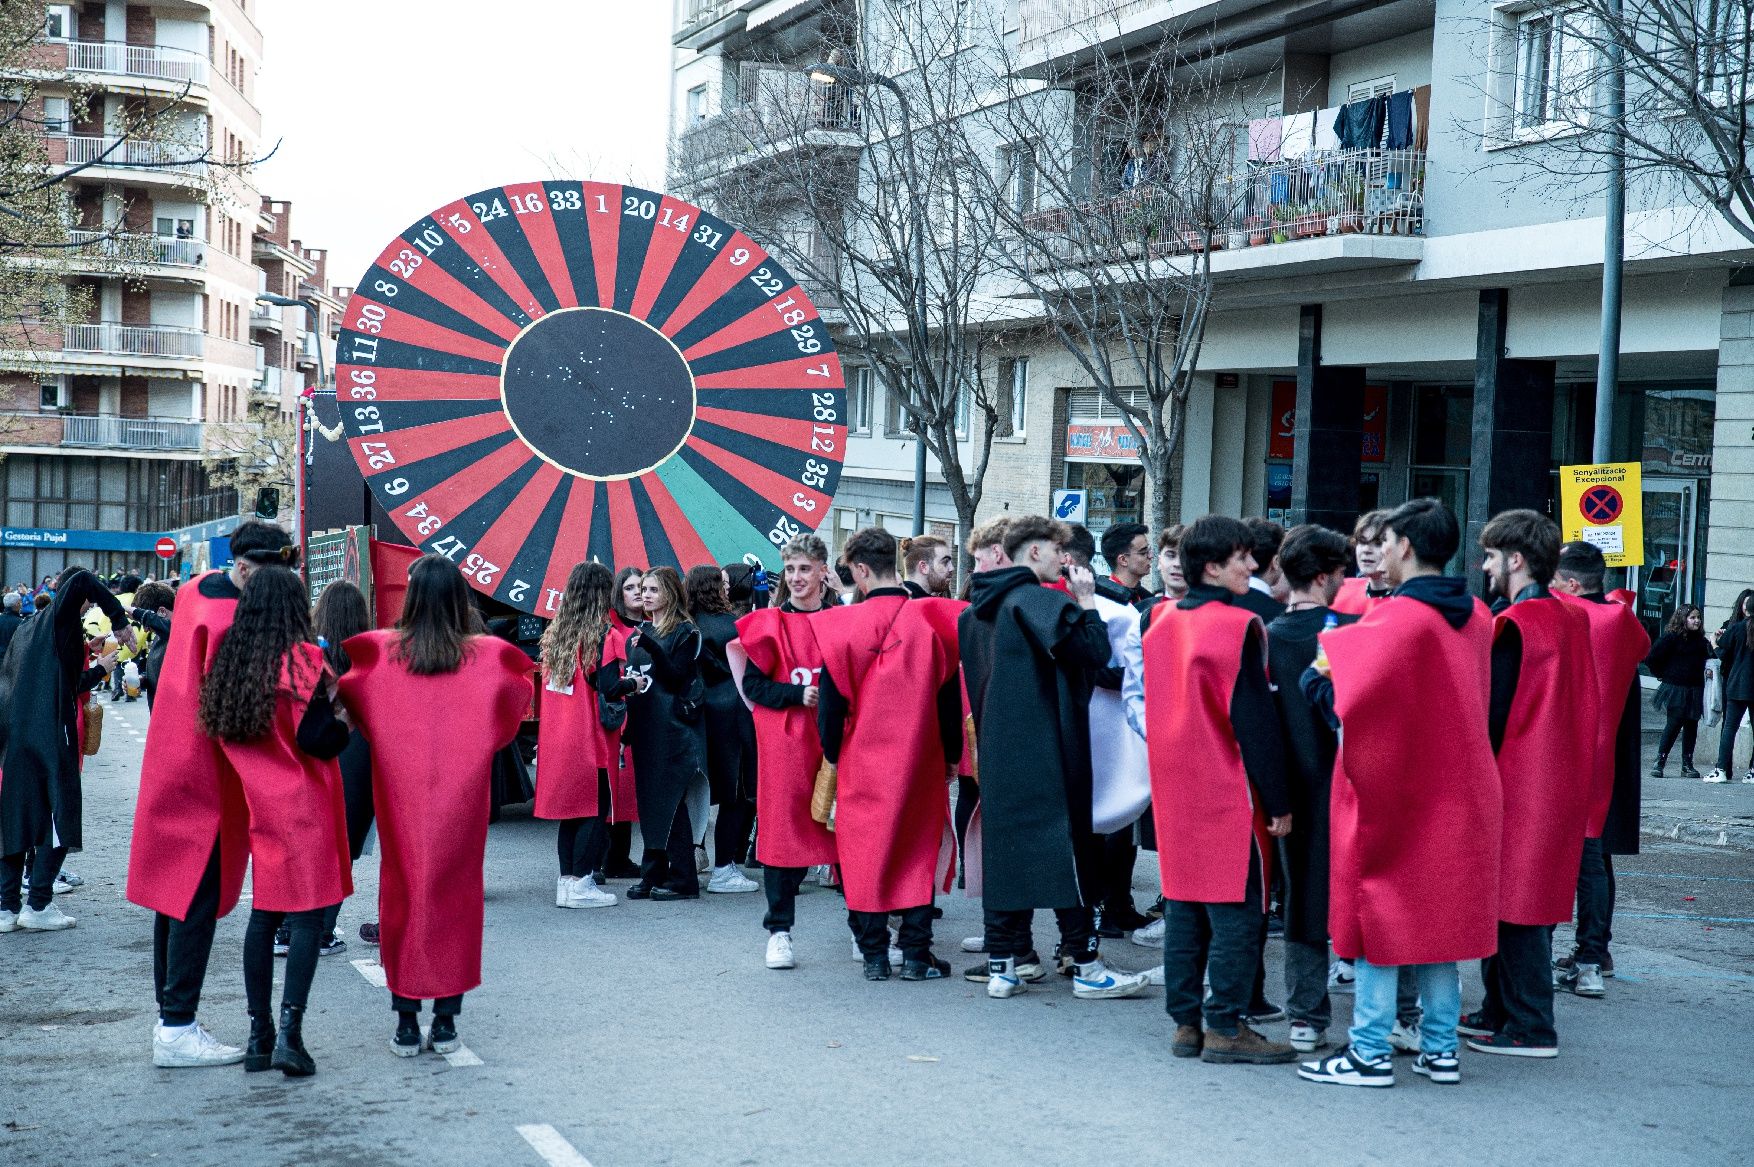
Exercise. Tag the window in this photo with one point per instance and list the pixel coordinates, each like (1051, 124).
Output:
(1013, 396)
(57, 115)
(859, 401)
(696, 105)
(963, 401)
(1093, 407)
(59, 24)
(908, 46)
(1542, 79)
(173, 227)
(53, 394)
(1375, 87)
(897, 422)
(1017, 175)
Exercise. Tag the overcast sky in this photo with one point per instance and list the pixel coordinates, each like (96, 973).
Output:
(388, 109)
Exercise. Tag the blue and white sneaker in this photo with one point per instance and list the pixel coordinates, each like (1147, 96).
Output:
(1003, 980)
(1341, 977)
(1346, 1068)
(67, 882)
(1095, 981)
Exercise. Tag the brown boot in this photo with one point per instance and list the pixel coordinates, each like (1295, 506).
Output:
(1247, 1047)
(1188, 1040)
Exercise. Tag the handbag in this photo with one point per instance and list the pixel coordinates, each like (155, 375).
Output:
(822, 793)
(611, 715)
(93, 738)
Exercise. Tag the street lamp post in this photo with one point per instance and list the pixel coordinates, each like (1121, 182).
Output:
(832, 74)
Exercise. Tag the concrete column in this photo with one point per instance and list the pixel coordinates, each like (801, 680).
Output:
(1230, 419)
(1330, 432)
(1255, 439)
(1197, 452)
(1729, 558)
(1513, 429)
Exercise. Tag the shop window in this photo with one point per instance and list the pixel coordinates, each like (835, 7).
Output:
(1443, 425)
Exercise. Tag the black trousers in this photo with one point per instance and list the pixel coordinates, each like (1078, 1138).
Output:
(180, 949)
(1220, 942)
(1734, 711)
(1687, 729)
(301, 958)
(583, 842)
(1120, 853)
(45, 865)
(1009, 933)
(673, 866)
(1595, 903)
(442, 1007)
(620, 856)
(871, 932)
(781, 885)
(731, 831)
(1519, 984)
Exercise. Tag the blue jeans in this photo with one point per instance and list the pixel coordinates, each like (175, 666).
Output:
(1374, 1007)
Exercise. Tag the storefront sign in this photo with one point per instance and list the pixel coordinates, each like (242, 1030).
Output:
(1101, 442)
(1282, 441)
(1071, 506)
(51, 538)
(1603, 504)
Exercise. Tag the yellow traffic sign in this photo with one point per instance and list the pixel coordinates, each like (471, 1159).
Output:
(1603, 504)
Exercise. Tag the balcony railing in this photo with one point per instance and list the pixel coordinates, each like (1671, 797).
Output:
(159, 250)
(102, 433)
(777, 110)
(128, 152)
(1042, 18)
(140, 340)
(1375, 192)
(696, 13)
(269, 379)
(156, 61)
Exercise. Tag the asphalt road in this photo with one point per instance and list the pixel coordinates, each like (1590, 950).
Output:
(652, 1034)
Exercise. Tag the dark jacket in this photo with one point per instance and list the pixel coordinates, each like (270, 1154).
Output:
(1678, 658)
(669, 750)
(1261, 604)
(730, 730)
(10, 622)
(1738, 662)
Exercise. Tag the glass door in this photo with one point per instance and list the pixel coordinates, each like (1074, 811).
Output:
(1666, 578)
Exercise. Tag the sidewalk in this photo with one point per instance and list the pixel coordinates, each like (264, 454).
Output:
(1690, 810)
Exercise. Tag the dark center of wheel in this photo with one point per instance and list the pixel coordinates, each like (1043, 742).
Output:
(598, 393)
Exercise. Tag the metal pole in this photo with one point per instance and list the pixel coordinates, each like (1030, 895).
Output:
(1613, 245)
(917, 224)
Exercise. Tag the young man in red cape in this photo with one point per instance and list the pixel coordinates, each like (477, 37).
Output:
(1543, 723)
(1368, 588)
(779, 643)
(1219, 792)
(1619, 642)
(1029, 655)
(1412, 857)
(191, 824)
(890, 715)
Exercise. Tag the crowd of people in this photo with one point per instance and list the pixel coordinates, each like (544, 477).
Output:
(1264, 725)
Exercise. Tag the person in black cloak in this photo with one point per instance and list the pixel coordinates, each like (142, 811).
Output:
(42, 676)
(730, 731)
(1029, 654)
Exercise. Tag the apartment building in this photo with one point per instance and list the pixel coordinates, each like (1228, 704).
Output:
(108, 418)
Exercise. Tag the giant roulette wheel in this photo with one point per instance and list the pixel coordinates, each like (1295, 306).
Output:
(552, 372)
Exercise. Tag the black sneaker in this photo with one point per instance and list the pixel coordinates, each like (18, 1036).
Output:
(1028, 968)
(1155, 911)
(663, 894)
(443, 1036)
(407, 1043)
(332, 945)
(368, 933)
(1444, 1068)
(877, 968)
(929, 968)
(282, 940)
(1476, 1024)
(1504, 1043)
(1348, 1069)
(640, 891)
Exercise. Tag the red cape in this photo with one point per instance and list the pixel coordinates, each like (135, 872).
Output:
(189, 794)
(1355, 598)
(1618, 642)
(298, 814)
(623, 794)
(1207, 818)
(1547, 762)
(433, 739)
(1413, 865)
(789, 750)
(571, 747)
(889, 657)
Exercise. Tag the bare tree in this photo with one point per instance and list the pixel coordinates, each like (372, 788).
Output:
(1115, 180)
(261, 450)
(851, 184)
(1685, 137)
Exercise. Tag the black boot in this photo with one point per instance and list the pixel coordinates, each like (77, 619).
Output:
(261, 1047)
(289, 1052)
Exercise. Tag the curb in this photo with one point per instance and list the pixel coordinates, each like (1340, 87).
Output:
(1734, 834)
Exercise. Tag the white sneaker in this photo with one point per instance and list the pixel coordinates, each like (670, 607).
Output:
(1150, 936)
(1341, 977)
(8, 921)
(1002, 979)
(190, 1046)
(562, 886)
(1097, 982)
(779, 951)
(1404, 1038)
(1717, 775)
(67, 883)
(702, 864)
(50, 919)
(1306, 1038)
(585, 893)
(974, 944)
(1747, 780)
(730, 879)
(1154, 975)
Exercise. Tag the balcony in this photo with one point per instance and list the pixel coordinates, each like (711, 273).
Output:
(138, 340)
(705, 23)
(269, 379)
(266, 316)
(126, 154)
(779, 110)
(148, 62)
(130, 249)
(88, 432)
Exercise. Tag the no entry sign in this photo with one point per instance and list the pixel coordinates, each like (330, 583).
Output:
(166, 548)
(1603, 504)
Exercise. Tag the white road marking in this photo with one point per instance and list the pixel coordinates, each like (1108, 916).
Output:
(372, 971)
(462, 1056)
(548, 1143)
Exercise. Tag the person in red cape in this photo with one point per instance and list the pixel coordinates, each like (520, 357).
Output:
(890, 715)
(628, 608)
(1218, 791)
(779, 643)
(575, 750)
(1412, 864)
(267, 702)
(1619, 643)
(191, 822)
(436, 703)
(1368, 588)
(1543, 723)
